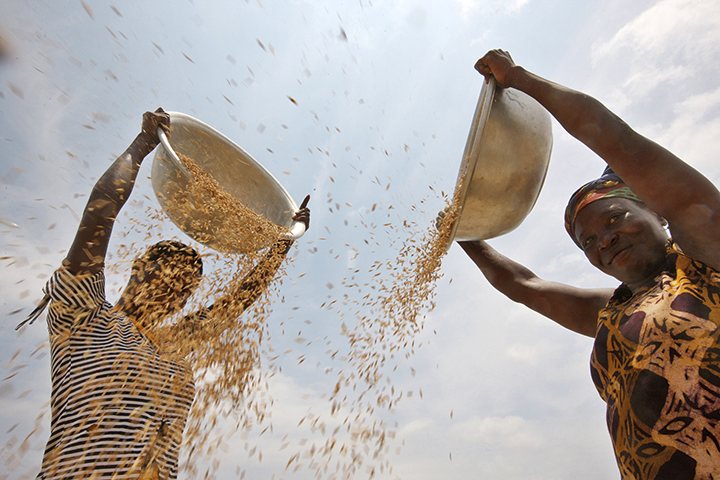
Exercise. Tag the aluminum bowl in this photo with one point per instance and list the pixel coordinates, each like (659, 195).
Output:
(504, 164)
(234, 169)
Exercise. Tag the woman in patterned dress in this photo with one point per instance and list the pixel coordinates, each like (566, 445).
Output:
(653, 226)
(119, 404)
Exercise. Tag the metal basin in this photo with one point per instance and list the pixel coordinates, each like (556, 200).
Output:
(236, 172)
(504, 164)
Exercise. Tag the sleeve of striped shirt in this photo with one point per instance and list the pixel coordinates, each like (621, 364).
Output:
(73, 298)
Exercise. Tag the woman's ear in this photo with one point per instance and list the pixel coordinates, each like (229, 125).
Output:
(666, 226)
(661, 219)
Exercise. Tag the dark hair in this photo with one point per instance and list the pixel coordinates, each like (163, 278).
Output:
(171, 248)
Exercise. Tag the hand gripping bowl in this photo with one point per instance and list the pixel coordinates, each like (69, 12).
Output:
(234, 170)
(504, 164)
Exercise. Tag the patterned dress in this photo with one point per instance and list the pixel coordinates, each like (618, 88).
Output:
(118, 407)
(656, 363)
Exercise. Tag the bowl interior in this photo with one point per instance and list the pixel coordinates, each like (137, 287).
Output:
(236, 172)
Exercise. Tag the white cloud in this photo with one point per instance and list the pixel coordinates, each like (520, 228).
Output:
(694, 132)
(669, 26)
(501, 432)
(672, 43)
(664, 64)
(415, 427)
(523, 353)
(647, 79)
(470, 7)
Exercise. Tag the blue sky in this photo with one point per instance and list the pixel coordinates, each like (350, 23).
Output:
(506, 393)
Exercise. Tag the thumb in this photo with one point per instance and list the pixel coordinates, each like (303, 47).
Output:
(305, 202)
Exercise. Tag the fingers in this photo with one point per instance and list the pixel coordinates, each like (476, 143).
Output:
(482, 67)
(498, 64)
(154, 120)
(440, 218)
(165, 127)
(158, 114)
(164, 117)
(303, 213)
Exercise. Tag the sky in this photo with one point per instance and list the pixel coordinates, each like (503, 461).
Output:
(384, 94)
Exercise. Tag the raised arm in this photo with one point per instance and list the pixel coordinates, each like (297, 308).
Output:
(573, 308)
(244, 291)
(87, 252)
(669, 186)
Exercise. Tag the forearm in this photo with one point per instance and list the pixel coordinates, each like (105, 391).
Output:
(255, 282)
(114, 187)
(111, 191)
(573, 308)
(584, 117)
(506, 275)
(245, 290)
(664, 182)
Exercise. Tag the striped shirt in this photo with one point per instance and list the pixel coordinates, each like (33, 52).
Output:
(118, 406)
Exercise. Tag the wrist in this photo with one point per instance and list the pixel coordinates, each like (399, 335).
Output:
(478, 246)
(284, 244)
(514, 76)
(144, 143)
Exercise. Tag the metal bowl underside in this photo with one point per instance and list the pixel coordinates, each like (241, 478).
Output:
(234, 170)
(504, 164)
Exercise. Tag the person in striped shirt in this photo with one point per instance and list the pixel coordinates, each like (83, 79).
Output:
(119, 404)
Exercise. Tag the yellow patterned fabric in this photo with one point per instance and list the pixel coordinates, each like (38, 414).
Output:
(656, 363)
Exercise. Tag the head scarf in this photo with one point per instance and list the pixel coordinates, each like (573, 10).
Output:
(609, 185)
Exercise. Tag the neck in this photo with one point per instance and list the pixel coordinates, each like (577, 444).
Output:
(129, 309)
(132, 312)
(649, 279)
(641, 285)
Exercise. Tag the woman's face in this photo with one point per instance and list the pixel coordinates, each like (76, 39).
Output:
(622, 238)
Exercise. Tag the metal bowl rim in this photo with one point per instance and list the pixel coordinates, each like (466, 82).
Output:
(487, 94)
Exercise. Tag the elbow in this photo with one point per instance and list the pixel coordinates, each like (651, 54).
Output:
(602, 131)
(101, 204)
(517, 297)
(517, 288)
(520, 295)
